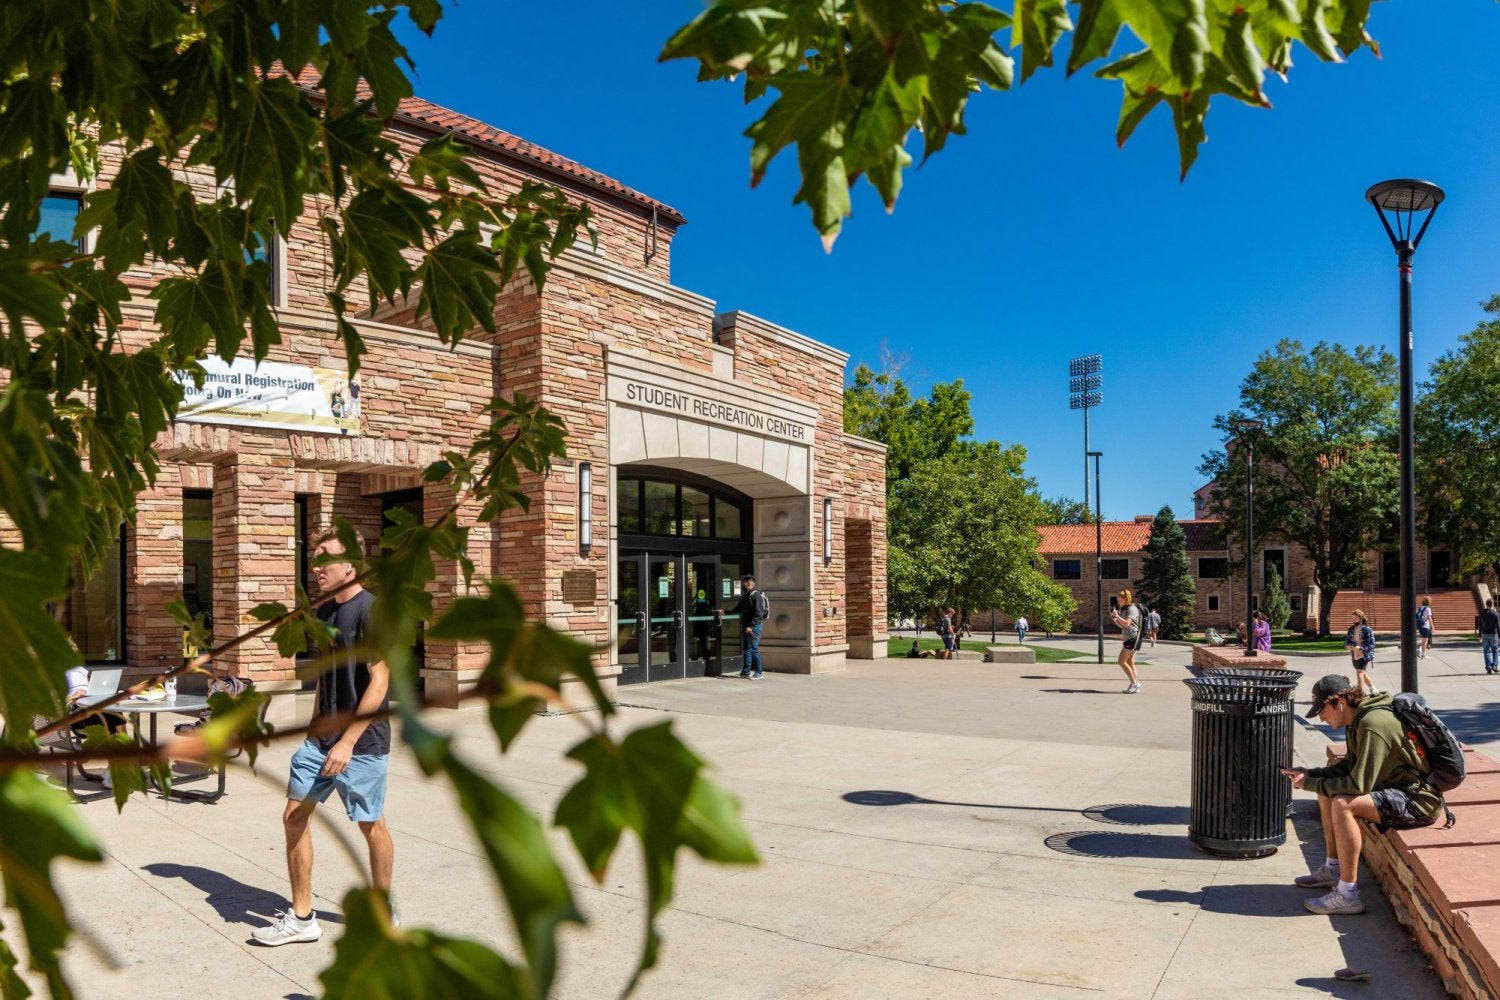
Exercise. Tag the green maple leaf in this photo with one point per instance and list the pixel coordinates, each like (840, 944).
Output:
(40, 825)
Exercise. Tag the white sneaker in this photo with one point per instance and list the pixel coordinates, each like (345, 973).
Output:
(107, 781)
(1335, 903)
(288, 929)
(1134, 688)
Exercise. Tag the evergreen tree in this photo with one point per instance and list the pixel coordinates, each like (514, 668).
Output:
(1166, 584)
(1278, 611)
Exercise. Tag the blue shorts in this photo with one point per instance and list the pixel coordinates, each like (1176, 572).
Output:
(361, 787)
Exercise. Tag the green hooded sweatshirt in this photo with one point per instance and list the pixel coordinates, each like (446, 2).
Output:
(1379, 756)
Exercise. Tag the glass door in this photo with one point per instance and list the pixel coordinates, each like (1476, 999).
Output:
(732, 634)
(630, 619)
(703, 616)
(667, 618)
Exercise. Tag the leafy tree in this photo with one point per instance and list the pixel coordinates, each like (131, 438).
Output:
(882, 408)
(174, 90)
(1066, 510)
(1458, 450)
(853, 79)
(963, 533)
(1325, 462)
(1278, 611)
(1166, 582)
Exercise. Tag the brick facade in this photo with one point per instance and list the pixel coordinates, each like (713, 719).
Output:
(606, 320)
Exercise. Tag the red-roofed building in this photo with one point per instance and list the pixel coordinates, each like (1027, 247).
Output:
(702, 445)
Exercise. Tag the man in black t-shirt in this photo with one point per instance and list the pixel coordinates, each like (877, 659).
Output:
(351, 761)
(1488, 627)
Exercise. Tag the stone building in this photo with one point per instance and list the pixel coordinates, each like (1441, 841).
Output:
(701, 445)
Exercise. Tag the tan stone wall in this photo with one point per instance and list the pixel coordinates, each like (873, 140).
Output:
(420, 398)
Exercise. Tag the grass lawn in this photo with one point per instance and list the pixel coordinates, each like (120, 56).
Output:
(1044, 654)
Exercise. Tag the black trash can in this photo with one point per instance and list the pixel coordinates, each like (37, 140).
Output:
(1242, 736)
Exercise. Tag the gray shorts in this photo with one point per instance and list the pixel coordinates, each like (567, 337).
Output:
(1397, 811)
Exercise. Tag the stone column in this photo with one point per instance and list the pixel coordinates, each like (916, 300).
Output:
(254, 556)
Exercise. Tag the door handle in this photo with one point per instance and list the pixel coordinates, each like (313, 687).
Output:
(677, 619)
(718, 617)
(640, 621)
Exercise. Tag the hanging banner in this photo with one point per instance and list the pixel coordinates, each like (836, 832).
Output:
(271, 394)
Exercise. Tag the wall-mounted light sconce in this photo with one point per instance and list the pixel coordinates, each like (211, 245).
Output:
(585, 507)
(828, 529)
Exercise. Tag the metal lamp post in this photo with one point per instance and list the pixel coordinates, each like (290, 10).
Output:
(1085, 390)
(1245, 431)
(1399, 203)
(1098, 551)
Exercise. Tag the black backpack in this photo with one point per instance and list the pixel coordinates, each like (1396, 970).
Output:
(1435, 742)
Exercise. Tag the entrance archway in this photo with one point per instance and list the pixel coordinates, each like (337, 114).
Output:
(683, 544)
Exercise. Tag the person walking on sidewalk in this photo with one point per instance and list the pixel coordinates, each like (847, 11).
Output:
(351, 761)
(1424, 627)
(1360, 641)
(1382, 779)
(1126, 614)
(1022, 625)
(754, 608)
(1153, 626)
(1488, 627)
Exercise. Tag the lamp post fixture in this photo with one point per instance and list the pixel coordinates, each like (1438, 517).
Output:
(1085, 390)
(1399, 203)
(1098, 550)
(1245, 431)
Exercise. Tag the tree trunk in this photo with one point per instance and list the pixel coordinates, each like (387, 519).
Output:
(1325, 605)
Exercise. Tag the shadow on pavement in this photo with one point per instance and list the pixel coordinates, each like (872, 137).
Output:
(1118, 844)
(882, 797)
(1480, 724)
(1135, 814)
(234, 901)
(1077, 691)
(1251, 899)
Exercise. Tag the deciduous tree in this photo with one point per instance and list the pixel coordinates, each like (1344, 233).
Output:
(175, 90)
(850, 81)
(1458, 450)
(1325, 462)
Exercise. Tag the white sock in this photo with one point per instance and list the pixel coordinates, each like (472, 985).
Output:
(1332, 864)
(1348, 888)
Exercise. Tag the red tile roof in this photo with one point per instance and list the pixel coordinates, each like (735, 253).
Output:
(1125, 536)
(415, 109)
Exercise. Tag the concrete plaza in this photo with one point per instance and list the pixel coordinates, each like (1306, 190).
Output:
(927, 829)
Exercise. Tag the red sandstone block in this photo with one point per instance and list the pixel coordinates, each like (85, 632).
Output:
(1477, 824)
(1478, 787)
(1479, 930)
(1478, 763)
(1459, 876)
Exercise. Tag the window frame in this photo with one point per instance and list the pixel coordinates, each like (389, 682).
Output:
(1104, 575)
(1077, 572)
(1207, 576)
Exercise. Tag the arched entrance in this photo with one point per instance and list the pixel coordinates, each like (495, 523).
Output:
(683, 544)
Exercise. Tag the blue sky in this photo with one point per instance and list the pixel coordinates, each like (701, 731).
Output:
(1034, 239)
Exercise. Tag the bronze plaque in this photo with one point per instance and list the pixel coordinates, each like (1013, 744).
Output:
(580, 586)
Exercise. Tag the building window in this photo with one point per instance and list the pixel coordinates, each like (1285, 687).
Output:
(1114, 569)
(59, 213)
(658, 507)
(94, 611)
(1273, 557)
(1390, 570)
(273, 253)
(1213, 602)
(198, 553)
(1067, 569)
(1294, 601)
(1213, 568)
(1440, 569)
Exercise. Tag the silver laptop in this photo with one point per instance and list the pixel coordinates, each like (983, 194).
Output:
(102, 683)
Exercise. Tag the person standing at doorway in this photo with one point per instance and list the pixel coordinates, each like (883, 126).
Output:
(351, 761)
(1488, 627)
(754, 608)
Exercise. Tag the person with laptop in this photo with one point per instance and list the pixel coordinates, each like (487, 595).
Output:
(85, 686)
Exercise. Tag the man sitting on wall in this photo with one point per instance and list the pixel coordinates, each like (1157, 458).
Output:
(1380, 779)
